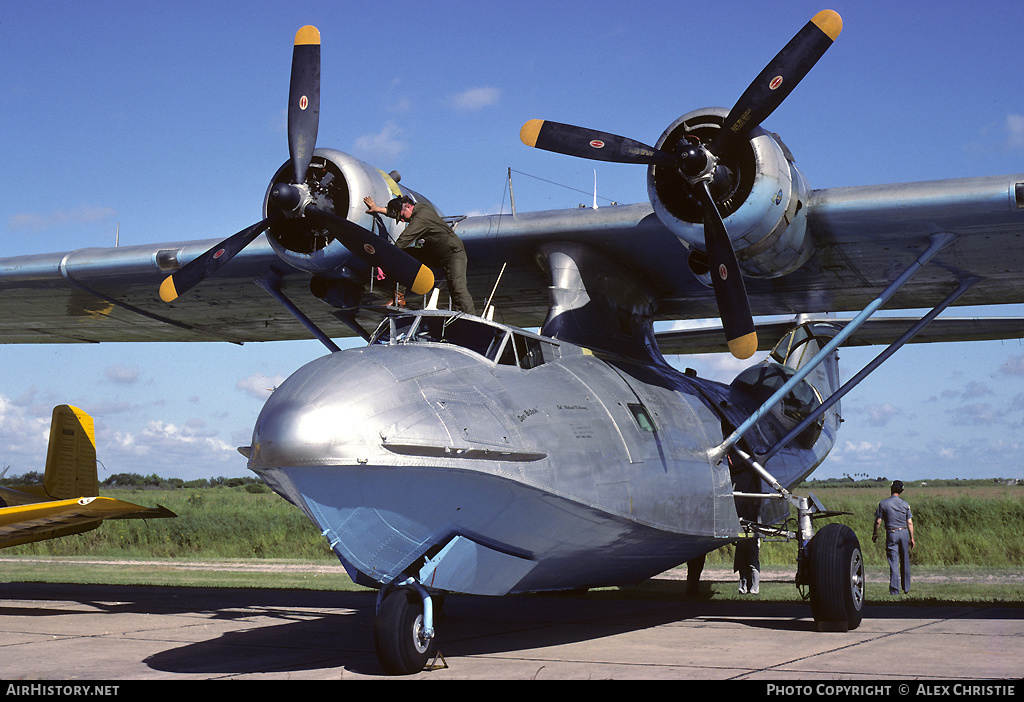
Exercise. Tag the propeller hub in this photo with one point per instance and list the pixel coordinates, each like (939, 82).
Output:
(290, 199)
(695, 161)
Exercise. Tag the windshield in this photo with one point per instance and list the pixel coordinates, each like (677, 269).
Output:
(469, 333)
(466, 332)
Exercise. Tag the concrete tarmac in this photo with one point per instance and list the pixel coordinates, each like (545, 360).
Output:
(113, 632)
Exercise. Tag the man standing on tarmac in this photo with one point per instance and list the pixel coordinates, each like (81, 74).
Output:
(441, 246)
(899, 537)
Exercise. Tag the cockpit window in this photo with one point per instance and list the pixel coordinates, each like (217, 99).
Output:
(528, 351)
(494, 343)
(643, 418)
(467, 333)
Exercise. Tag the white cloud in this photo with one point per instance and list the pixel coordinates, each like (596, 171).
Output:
(36, 221)
(125, 375)
(862, 447)
(476, 98)
(980, 413)
(1013, 366)
(1015, 131)
(880, 415)
(165, 439)
(259, 385)
(387, 143)
(724, 367)
(23, 437)
(976, 389)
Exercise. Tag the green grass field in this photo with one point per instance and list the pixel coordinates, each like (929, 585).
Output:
(212, 523)
(972, 531)
(977, 523)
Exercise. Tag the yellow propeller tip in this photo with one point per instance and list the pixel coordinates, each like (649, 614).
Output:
(829, 22)
(168, 293)
(744, 346)
(424, 281)
(307, 35)
(530, 130)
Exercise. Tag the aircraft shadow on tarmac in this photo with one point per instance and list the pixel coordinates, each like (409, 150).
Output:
(322, 630)
(468, 626)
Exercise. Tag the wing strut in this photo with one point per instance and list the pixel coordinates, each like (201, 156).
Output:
(892, 348)
(937, 243)
(273, 287)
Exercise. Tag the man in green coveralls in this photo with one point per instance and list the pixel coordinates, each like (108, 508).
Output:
(441, 246)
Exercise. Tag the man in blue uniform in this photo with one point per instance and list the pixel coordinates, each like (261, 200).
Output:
(899, 537)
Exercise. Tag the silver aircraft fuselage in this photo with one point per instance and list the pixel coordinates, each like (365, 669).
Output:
(482, 458)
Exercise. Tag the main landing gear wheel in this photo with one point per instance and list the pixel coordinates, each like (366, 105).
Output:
(836, 578)
(398, 633)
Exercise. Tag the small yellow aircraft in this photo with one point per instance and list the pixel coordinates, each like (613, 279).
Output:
(68, 501)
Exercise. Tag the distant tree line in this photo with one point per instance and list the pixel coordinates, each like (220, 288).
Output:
(253, 484)
(147, 482)
(847, 481)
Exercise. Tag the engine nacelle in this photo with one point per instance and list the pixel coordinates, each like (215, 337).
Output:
(763, 208)
(337, 183)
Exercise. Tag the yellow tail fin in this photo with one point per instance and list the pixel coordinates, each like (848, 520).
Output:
(71, 455)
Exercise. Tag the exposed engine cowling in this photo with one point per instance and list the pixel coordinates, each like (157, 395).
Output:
(337, 183)
(761, 203)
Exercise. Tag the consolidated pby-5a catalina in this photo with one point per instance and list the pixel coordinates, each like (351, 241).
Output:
(455, 453)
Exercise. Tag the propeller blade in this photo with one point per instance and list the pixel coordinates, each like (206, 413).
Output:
(726, 279)
(376, 251)
(193, 272)
(588, 143)
(304, 100)
(778, 79)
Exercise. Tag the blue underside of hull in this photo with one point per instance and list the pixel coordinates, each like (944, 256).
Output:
(384, 522)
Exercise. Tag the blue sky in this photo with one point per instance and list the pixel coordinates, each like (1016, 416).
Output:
(166, 120)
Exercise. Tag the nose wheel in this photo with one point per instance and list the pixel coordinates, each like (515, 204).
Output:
(403, 634)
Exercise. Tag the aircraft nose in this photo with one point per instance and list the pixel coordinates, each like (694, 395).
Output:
(330, 411)
(343, 408)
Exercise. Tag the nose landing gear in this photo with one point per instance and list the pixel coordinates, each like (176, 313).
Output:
(403, 634)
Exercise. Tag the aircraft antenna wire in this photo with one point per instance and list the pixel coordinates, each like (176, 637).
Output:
(562, 185)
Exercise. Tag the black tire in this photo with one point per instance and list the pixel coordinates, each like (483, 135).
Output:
(837, 576)
(397, 634)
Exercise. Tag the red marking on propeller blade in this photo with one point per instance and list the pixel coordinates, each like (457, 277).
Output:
(219, 253)
(597, 144)
(368, 248)
(776, 82)
(723, 272)
(303, 102)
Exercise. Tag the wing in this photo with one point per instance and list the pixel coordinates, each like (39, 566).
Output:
(873, 332)
(46, 520)
(94, 295)
(859, 237)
